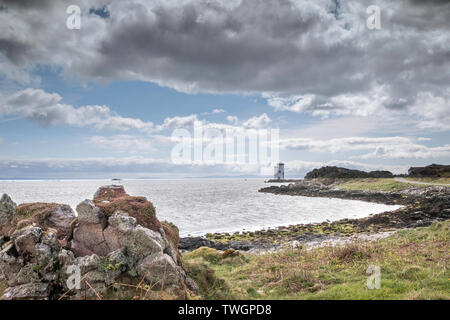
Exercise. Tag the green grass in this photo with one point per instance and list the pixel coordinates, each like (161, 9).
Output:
(383, 184)
(431, 180)
(3, 286)
(414, 265)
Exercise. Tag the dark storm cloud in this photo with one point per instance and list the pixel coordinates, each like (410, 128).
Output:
(318, 49)
(429, 2)
(14, 50)
(26, 3)
(255, 46)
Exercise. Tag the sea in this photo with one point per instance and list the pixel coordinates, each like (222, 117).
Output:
(200, 206)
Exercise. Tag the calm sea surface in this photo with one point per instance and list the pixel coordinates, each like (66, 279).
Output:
(201, 206)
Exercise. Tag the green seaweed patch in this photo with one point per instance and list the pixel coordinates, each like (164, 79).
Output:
(343, 228)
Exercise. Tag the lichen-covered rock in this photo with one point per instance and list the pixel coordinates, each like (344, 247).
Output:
(107, 193)
(159, 268)
(7, 210)
(29, 291)
(123, 223)
(10, 261)
(29, 264)
(88, 213)
(57, 218)
(138, 207)
(25, 239)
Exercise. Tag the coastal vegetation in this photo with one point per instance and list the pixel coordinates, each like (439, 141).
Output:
(414, 265)
(432, 180)
(124, 252)
(381, 184)
(387, 184)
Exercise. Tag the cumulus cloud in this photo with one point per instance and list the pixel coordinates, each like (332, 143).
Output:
(123, 143)
(178, 122)
(47, 110)
(341, 144)
(384, 147)
(258, 122)
(313, 56)
(233, 119)
(408, 151)
(214, 111)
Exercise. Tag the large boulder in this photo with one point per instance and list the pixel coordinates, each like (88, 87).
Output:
(58, 218)
(111, 199)
(125, 234)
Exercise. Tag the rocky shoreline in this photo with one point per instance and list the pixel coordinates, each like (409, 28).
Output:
(116, 244)
(421, 206)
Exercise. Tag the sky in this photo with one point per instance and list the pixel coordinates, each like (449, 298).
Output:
(115, 95)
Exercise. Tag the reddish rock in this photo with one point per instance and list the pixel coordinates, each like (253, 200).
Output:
(108, 193)
(89, 239)
(138, 207)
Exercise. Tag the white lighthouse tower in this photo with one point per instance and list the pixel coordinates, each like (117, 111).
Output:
(279, 172)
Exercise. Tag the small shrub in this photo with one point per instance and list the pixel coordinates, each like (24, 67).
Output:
(208, 254)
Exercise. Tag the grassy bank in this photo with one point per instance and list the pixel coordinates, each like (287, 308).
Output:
(414, 265)
(385, 184)
(431, 180)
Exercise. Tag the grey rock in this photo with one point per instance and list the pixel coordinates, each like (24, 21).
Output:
(50, 239)
(123, 223)
(88, 213)
(25, 239)
(89, 263)
(65, 258)
(142, 242)
(191, 284)
(43, 253)
(29, 291)
(160, 268)
(27, 274)
(192, 243)
(7, 209)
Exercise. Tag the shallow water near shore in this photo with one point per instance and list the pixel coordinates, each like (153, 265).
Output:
(201, 206)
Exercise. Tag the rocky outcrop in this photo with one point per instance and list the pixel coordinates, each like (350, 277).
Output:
(57, 218)
(431, 171)
(422, 206)
(115, 238)
(344, 173)
(192, 243)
